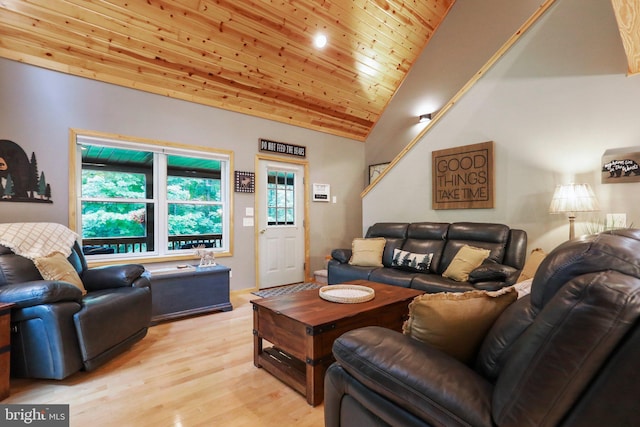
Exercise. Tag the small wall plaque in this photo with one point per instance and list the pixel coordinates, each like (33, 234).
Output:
(245, 182)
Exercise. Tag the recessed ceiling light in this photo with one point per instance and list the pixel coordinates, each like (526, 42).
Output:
(320, 41)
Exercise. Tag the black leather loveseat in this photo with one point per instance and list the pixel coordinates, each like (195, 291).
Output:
(443, 240)
(56, 330)
(565, 355)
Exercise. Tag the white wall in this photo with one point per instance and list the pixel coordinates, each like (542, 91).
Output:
(553, 104)
(38, 106)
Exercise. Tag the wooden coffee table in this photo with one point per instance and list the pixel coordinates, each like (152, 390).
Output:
(302, 328)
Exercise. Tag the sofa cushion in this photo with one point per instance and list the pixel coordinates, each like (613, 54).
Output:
(427, 238)
(367, 252)
(344, 272)
(494, 237)
(411, 261)
(466, 260)
(15, 269)
(433, 283)
(56, 267)
(393, 276)
(395, 233)
(456, 323)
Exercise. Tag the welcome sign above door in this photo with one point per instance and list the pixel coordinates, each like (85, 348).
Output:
(463, 177)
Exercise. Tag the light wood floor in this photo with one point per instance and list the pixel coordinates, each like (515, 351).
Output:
(193, 372)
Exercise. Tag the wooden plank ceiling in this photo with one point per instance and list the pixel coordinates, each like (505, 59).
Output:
(628, 17)
(249, 56)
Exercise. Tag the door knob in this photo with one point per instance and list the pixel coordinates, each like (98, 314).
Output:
(263, 231)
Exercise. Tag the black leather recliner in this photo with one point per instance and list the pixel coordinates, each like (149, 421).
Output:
(56, 331)
(565, 355)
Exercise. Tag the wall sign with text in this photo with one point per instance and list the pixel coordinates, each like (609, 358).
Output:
(621, 165)
(321, 192)
(282, 148)
(463, 177)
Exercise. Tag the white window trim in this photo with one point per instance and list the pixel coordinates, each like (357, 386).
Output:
(77, 138)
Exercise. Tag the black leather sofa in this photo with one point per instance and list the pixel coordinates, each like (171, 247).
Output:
(565, 355)
(57, 331)
(508, 253)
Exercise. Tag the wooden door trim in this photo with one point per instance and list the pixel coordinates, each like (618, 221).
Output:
(256, 212)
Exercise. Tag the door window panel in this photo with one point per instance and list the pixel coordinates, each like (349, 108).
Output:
(281, 203)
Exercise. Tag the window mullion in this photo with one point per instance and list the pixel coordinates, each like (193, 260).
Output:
(160, 198)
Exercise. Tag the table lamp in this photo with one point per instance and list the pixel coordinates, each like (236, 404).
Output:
(572, 198)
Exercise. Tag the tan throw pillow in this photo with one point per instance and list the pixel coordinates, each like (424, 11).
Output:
(531, 265)
(57, 267)
(467, 258)
(367, 252)
(456, 323)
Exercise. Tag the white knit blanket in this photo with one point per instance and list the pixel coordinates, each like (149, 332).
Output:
(37, 239)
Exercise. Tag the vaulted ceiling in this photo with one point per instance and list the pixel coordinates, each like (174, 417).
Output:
(249, 56)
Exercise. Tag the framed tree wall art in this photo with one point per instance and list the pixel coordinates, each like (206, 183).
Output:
(20, 180)
(463, 177)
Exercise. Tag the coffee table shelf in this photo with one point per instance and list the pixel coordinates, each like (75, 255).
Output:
(291, 370)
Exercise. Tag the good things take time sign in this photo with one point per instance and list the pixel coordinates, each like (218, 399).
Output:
(463, 177)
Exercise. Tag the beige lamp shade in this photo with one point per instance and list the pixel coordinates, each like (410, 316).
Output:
(572, 198)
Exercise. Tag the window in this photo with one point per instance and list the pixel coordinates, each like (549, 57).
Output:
(281, 207)
(140, 199)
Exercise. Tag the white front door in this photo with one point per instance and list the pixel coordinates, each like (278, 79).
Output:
(281, 234)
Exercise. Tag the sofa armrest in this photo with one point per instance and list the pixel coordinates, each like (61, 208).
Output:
(493, 272)
(421, 379)
(37, 292)
(112, 276)
(144, 281)
(341, 255)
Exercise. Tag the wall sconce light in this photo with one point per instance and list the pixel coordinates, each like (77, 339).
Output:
(572, 198)
(425, 118)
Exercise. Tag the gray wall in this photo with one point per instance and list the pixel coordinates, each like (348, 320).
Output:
(553, 104)
(39, 106)
(461, 45)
